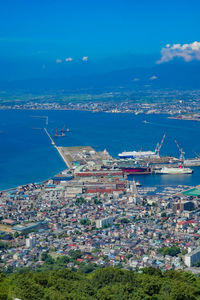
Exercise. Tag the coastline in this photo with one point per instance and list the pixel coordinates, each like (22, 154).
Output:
(170, 115)
(39, 160)
(185, 119)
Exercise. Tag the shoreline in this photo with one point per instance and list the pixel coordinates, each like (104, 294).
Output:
(184, 119)
(7, 188)
(167, 114)
(85, 110)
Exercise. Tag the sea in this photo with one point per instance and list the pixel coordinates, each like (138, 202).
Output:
(26, 153)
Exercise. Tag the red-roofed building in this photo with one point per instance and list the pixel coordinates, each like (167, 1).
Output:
(8, 221)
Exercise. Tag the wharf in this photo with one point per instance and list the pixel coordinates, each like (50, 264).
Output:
(72, 154)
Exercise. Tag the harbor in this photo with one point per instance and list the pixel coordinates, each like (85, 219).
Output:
(112, 212)
(85, 161)
(34, 158)
(98, 201)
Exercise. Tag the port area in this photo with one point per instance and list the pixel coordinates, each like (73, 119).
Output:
(84, 161)
(73, 155)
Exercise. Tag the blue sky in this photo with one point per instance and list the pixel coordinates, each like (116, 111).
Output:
(97, 28)
(47, 30)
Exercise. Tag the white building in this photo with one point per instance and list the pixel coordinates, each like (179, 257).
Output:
(192, 257)
(30, 242)
(104, 222)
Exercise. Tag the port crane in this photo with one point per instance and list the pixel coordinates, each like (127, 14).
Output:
(159, 146)
(182, 153)
(197, 155)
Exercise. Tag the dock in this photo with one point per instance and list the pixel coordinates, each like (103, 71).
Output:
(69, 154)
(72, 154)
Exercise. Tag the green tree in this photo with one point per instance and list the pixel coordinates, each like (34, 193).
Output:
(75, 254)
(172, 251)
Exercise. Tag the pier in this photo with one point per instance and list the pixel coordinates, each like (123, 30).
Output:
(52, 141)
(62, 151)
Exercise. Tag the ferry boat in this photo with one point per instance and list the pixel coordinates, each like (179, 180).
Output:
(174, 170)
(138, 154)
(143, 154)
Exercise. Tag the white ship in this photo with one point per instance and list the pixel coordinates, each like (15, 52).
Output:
(174, 170)
(137, 154)
(142, 154)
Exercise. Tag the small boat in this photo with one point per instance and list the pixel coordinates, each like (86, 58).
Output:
(138, 183)
(59, 135)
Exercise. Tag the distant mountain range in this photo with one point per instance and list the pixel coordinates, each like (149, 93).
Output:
(176, 75)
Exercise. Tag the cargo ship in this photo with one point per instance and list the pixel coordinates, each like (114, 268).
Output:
(136, 170)
(132, 167)
(174, 170)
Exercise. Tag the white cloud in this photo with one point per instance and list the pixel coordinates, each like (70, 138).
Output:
(135, 79)
(153, 77)
(85, 58)
(69, 59)
(58, 61)
(188, 52)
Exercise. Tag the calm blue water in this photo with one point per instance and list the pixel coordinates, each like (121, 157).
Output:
(26, 154)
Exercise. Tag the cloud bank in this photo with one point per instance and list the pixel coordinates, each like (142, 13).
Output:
(68, 59)
(85, 58)
(153, 77)
(188, 52)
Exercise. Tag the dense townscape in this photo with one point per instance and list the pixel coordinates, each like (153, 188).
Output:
(92, 214)
(138, 102)
(99, 150)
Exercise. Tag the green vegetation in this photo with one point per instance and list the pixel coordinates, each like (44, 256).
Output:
(125, 221)
(80, 201)
(85, 222)
(163, 215)
(172, 251)
(3, 245)
(197, 264)
(97, 201)
(102, 284)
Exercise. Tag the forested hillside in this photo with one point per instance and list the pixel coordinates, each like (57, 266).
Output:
(102, 284)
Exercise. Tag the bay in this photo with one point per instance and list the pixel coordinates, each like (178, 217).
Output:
(26, 154)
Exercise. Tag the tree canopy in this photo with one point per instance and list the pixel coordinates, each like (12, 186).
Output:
(102, 284)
